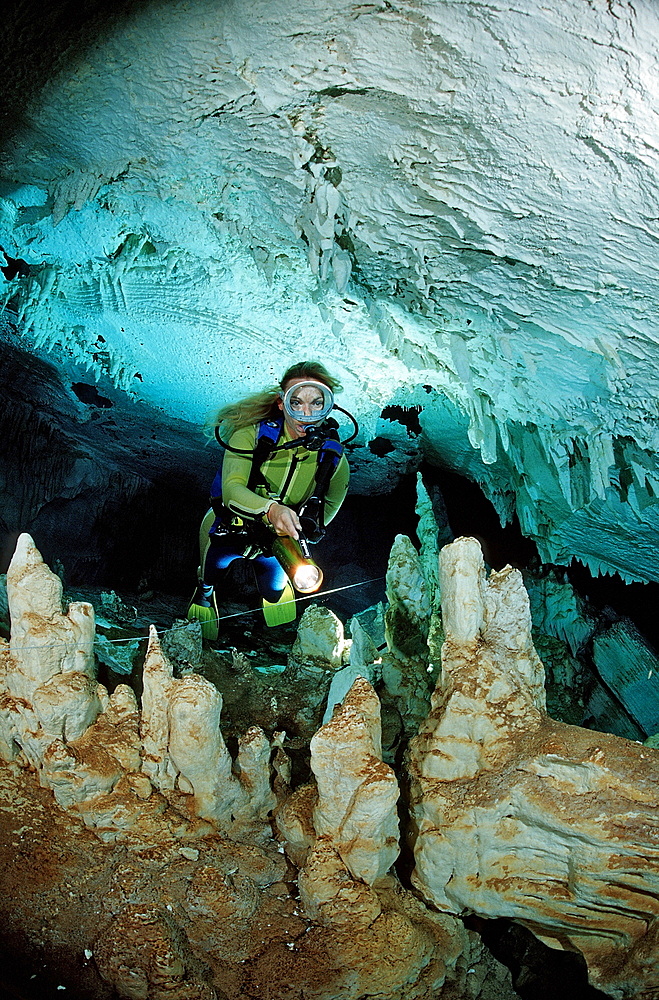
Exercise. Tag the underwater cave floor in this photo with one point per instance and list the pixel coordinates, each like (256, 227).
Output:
(52, 878)
(61, 890)
(64, 895)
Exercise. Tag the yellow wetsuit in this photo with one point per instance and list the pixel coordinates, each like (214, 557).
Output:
(290, 475)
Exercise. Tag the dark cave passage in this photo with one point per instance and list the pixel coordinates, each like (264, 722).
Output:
(469, 512)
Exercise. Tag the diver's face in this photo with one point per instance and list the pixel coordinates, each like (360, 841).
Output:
(306, 402)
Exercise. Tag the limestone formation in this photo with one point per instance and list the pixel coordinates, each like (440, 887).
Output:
(513, 815)
(631, 669)
(157, 677)
(364, 661)
(357, 792)
(597, 667)
(118, 768)
(144, 955)
(384, 942)
(320, 641)
(44, 641)
(522, 817)
(197, 749)
(353, 801)
(294, 820)
(428, 533)
(407, 622)
(255, 774)
(48, 681)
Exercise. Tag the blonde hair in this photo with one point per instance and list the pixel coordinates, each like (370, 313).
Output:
(263, 405)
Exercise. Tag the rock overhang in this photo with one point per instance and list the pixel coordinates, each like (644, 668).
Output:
(448, 197)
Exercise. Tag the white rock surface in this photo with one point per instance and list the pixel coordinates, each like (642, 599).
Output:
(320, 642)
(357, 792)
(101, 756)
(44, 640)
(197, 749)
(255, 774)
(158, 681)
(520, 816)
(49, 690)
(485, 249)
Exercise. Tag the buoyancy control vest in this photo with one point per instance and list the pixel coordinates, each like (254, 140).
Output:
(312, 510)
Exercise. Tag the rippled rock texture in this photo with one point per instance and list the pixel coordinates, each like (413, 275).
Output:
(451, 203)
(520, 816)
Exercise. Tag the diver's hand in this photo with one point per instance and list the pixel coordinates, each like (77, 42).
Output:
(284, 520)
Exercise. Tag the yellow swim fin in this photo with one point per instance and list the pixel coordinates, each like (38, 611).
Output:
(280, 612)
(204, 609)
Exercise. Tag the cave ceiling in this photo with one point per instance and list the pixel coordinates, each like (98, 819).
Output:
(453, 204)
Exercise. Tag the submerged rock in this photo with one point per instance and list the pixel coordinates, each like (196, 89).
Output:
(513, 815)
(523, 817)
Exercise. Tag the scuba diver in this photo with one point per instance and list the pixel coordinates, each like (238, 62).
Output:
(283, 478)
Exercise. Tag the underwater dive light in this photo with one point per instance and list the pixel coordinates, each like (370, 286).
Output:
(294, 558)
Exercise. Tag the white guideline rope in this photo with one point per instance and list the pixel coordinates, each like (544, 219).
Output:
(224, 618)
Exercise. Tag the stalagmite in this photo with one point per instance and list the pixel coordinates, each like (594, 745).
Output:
(364, 661)
(101, 757)
(50, 690)
(357, 792)
(514, 815)
(44, 641)
(353, 803)
(255, 774)
(345, 833)
(67, 704)
(410, 601)
(407, 622)
(198, 751)
(320, 639)
(522, 817)
(385, 943)
(157, 675)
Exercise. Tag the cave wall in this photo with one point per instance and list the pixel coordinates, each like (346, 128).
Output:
(453, 205)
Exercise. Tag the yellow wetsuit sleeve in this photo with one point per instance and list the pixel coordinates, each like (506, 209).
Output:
(288, 474)
(337, 490)
(235, 476)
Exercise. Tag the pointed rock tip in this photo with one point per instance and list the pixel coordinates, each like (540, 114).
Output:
(154, 639)
(360, 687)
(155, 660)
(26, 551)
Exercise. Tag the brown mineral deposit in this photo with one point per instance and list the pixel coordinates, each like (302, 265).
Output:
(519, 816)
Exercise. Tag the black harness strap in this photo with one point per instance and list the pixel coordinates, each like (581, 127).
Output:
(267, 437)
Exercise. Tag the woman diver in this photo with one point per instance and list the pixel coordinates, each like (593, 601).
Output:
(284, 475)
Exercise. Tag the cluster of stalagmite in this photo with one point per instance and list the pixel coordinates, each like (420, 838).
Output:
(521, 816)
(118, 767)
(513, 814)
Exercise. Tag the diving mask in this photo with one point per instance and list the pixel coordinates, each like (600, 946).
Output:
(308, 402)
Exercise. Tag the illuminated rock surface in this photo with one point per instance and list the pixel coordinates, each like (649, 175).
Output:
(357, 792)
(524, 817)
(179, 908)
(514, 815)
(452, 205)
(100, 755)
